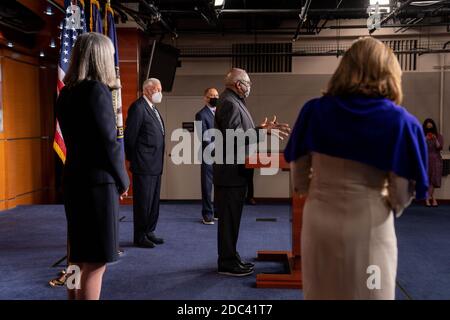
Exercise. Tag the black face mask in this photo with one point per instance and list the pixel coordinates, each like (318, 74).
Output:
(213, 102)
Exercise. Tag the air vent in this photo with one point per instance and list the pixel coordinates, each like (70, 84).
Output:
(263, 57)
(404, 50)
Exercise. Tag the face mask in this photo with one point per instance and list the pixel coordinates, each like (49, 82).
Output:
(247, 91)
(213, 102)
(157, 97)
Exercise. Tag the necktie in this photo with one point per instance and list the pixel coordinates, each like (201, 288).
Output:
(159, 118)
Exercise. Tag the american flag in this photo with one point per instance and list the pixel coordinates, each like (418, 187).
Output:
(73, 25)
(110, 31)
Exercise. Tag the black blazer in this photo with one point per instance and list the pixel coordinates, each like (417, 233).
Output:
(144, 139)
(88, 125)
(207, 118)
(231, 113)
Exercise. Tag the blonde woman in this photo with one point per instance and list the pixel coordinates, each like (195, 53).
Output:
(94, 172)
(359, 158)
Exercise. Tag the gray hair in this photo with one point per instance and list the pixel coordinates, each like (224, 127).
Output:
(92, 59)
(234, 75)
(151, 81)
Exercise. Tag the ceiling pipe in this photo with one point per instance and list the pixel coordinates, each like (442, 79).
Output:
(56, 5)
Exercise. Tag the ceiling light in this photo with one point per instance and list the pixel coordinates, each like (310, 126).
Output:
(42, 54)
(49, 11)
(52, 43)
(10, 44)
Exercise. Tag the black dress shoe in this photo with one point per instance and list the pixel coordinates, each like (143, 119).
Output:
(243, 263)
(151, 236)
(236, 271)
(247, 265)
(144, 243)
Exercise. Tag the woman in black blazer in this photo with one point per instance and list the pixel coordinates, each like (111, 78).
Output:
(94, 171)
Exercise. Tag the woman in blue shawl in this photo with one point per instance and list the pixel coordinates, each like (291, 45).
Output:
(359, 157)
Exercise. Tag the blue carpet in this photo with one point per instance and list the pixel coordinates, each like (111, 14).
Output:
(32, 238)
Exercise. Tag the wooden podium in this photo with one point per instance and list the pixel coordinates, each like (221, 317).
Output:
(292, 279)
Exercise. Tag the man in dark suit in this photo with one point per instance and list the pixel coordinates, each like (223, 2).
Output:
(206, 116)
(230, 179)
(144, 148)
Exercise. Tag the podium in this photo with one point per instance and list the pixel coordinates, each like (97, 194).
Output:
(292, 279)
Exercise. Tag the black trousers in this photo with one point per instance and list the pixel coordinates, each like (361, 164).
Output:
(207, 185)
(146, 192)
(230, 202)
(250, 186)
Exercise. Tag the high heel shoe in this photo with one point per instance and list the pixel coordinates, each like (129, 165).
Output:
(427, 203)
(434, 202)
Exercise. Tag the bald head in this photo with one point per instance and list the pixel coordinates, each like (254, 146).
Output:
(238, 81)
(235, 75)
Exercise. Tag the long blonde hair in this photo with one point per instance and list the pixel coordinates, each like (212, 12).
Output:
(369, 68)
(92, 59)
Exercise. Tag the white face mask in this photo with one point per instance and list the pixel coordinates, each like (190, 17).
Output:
(247, 87)
(157, 97)
(247, 93)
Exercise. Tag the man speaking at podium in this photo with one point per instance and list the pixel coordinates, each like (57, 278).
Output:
(230, 179)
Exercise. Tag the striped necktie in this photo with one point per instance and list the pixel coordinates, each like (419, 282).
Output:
(158, 117)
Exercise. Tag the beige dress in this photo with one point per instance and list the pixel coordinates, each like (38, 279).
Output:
(349, 246)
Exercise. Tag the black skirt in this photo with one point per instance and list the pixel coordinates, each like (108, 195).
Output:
(92, 222)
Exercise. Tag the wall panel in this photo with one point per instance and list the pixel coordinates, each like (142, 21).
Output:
(26, 156)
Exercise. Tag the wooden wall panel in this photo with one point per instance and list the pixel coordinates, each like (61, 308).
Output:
(21, 99)
(129, 79)
(24, 166)
(128, 39)
(29, 198)
(129, 47)
(48, 76)
(26, 159)
(2, 174)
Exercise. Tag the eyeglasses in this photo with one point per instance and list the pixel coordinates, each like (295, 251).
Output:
(247, 83)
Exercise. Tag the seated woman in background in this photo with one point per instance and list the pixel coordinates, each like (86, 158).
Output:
(359, 157)
(435, 143)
